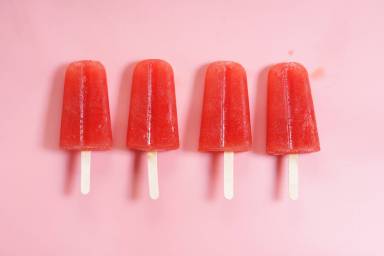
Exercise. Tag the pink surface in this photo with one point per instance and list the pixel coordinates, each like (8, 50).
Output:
(341, 202)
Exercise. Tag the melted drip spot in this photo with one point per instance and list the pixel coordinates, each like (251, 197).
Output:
(318, 73)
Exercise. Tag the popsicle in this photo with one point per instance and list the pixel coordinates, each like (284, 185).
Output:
(291, 120)
(152, 122)
(225, 123)
(85, 120)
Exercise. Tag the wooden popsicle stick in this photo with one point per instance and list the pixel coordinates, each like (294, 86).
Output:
(293, 176)
(85, 172)
(152, 175)
(228, 175)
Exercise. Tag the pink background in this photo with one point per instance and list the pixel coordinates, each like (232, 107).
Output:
(341, 198)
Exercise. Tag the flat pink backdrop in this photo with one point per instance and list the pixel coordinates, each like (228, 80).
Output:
(341, 202)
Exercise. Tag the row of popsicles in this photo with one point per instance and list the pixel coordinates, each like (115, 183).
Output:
(225, 122)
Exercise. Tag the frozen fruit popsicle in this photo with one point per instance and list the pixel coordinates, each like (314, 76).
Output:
(85, 120)
(152, 124)
(291, 120)
(225, 123)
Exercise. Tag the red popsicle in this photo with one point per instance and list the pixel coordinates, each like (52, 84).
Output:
(291, 120)
(225, 123)
(152, 124)
(85, 120)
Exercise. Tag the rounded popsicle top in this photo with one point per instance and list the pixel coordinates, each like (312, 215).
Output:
(225, 64)
(152, 122)
(89, 63)
(280, 69)
(158, 62)
(85, 121)
(225, 121)
(87, 68)
(291, 119)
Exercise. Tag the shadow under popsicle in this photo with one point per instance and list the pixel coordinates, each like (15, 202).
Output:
(213, 177)
(192, 131)
(279, 177)
(136, 174)
(71, 167)
(51, 135)
(260, 129)
(120, 127)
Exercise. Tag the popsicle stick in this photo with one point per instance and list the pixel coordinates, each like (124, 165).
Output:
(152, 175)
(228, 175)
(293, 176)
(85, 172)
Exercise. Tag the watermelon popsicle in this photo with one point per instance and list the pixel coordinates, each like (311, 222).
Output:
(152, 122)
(225, 123)
(85, 120)
(291, 120)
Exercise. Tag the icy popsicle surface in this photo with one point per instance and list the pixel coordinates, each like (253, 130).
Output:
(85, 120)
(152, 122)
(225, 123)
(290, 116)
